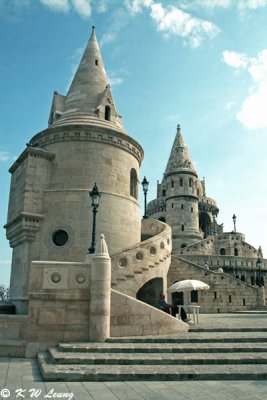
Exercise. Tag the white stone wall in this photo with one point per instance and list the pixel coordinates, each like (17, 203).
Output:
(226, 293)
(131, 317)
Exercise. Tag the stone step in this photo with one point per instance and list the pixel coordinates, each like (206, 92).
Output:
(157, 359)
(84, 372)
(12, 348)
(161, 347)
(196, 337)
(194, 328)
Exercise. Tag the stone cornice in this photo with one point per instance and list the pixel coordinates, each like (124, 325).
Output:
(23, 228)
(184, 196)
(91, 134)
(31, 151)
(180, 171)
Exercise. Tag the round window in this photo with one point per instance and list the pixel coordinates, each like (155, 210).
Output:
(60, 238)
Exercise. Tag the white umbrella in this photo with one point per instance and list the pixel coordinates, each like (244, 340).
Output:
(188, 285)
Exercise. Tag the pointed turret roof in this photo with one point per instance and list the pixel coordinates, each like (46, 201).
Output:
(89, 92)
(179, 159)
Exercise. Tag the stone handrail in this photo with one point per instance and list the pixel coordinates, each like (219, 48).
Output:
(140, 256)
(225, 261)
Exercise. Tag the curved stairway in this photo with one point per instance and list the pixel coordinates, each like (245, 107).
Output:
(146, 260)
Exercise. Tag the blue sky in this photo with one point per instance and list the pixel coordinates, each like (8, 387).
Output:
(200, 63)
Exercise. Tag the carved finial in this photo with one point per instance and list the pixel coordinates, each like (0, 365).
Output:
(178, 128)
(93, 28)
(101, 246)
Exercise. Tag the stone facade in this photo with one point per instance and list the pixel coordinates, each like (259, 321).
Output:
(197, 237)
(226, 293)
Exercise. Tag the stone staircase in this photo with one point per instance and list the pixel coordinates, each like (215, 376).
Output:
(134, 266)
(201, 354)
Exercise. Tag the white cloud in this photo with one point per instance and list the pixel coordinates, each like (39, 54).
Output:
(213, 3)
(136, 6)
(176, 22)
(234, 59)
(229, 105)
(82, 7)
(119, 20)
(57, 5)
(102, 5)
(240, 4)
(6, 156)
(107, 38)
(252, 4)
(173, 21)
(115, 80)
(253, 113)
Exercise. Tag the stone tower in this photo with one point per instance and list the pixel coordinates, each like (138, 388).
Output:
(181, 199)
(49, 216)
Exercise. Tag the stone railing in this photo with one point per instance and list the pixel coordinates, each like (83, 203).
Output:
(234, 262)
(145, 260)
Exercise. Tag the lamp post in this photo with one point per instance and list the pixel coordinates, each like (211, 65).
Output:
(258, 265)
(95, 198)
(234, 220)
(145, 184)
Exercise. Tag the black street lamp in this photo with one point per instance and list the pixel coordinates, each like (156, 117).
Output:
(259, 265)
(145, 184)
(234, 219)
(95, 197)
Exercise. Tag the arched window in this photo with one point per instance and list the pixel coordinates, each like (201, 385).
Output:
(205, 224)
(222, 252)
(190, 182)
(172, 184)
(133, 183)
(181, 182)
(107, 113)
(236, 251)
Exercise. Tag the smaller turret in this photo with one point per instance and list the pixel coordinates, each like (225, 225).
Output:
(181, 198)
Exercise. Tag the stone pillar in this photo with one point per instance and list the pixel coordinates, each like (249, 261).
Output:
(261, 296)
(100, 290)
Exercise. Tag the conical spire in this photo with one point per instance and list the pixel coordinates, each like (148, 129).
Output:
(90, 80)
(89, 97)
(179, 158)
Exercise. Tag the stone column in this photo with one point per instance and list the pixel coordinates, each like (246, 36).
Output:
(261, 296)
(100, 290)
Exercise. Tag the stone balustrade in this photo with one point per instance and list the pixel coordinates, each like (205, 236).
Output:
(139, 260)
